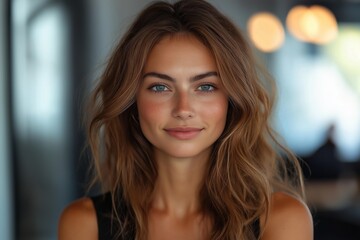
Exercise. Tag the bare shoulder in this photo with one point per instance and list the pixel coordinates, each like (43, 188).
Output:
(78, 221)
(289, 218)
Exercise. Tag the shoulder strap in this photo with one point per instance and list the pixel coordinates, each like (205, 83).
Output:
(107, 225)
(103, 207)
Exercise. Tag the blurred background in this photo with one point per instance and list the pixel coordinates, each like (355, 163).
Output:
(51, 52)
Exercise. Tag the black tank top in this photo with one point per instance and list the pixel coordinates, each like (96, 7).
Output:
(107, 227)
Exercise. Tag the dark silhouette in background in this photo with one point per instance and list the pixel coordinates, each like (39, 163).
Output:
(325, 168)
(325, 155)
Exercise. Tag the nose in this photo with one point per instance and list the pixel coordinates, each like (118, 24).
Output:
(183, 107)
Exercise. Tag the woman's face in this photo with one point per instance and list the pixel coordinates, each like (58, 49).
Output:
(181, 102)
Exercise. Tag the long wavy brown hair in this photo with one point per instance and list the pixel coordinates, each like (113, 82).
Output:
(247, 163)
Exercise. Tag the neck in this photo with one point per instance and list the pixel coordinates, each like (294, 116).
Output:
(178, 184)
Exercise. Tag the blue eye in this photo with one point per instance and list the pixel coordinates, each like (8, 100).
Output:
(206, 88)
(159, 88)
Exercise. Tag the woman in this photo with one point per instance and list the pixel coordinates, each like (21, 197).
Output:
(180, 135)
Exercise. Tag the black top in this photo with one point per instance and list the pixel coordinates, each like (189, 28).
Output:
(106, 226)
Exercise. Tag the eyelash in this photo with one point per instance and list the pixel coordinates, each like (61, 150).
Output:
(166, 88)
(213, 88)
(151, 88)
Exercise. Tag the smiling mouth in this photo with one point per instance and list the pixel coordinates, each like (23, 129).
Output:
(183, 133)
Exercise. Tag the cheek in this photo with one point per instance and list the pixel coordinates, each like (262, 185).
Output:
(149, 112)
(217, 112)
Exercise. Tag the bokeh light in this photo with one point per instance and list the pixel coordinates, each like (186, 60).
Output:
(266, 31)
(315, 24)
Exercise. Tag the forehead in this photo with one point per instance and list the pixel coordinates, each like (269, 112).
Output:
(180, 50)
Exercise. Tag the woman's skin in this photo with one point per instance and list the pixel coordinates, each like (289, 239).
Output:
(182, 112)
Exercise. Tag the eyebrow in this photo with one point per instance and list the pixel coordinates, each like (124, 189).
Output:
(168, 78)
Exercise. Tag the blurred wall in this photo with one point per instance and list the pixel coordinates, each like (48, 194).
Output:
(6, 176)
(43, 110)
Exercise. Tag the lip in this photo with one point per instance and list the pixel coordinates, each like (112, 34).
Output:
(183, 133)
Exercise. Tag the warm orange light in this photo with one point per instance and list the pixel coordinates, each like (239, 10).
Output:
(293, 22)
(266, 32)
(328, 28)
(314, 24)
(309, 24)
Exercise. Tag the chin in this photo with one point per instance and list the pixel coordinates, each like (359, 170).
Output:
(183, 152)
